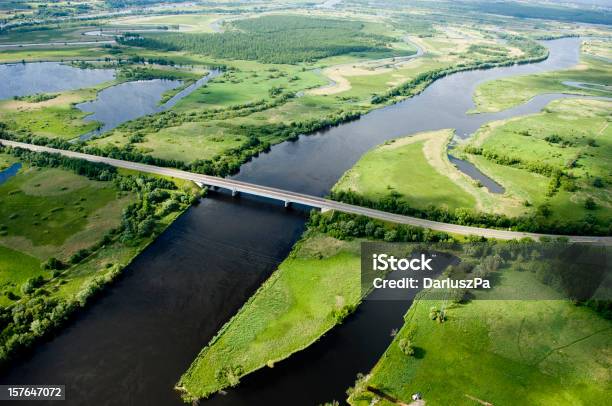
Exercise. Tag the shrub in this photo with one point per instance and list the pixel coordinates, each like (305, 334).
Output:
(406, 347)
(590, 204)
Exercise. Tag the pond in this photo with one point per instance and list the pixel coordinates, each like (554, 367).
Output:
(24, 79)
(128, 101)
(9, 172)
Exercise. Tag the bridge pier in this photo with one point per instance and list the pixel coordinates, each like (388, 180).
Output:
(325, 209)
(287, 203)
(235, 193)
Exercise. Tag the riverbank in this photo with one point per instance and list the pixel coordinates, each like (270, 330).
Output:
(555, 162)
(541, 351)
(66, 257)
(313, 290)
(498, 95)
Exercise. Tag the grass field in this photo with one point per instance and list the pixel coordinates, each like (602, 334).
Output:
(47, 35)
(52, 118)
(581, 146)
(600, 49)
(187, 142)
(293, 308)
(249, 82)
(190, 22)
(15, 269)
(501, 94)
(403, 167)
(498, 351)
(49, 212)
(418, 170)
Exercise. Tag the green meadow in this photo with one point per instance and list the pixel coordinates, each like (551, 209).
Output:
(411, 167)
(501, 94)
(496, 352)
(312, 290)
(48, 213)
(57, 117)
(572, 136)
(416, 170)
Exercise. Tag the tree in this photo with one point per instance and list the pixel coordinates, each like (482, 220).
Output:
(590, 204)
(53, 264)
(406, 347)
(598, 182)
(544, 210)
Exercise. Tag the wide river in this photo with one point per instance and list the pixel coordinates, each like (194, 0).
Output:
(131, 346)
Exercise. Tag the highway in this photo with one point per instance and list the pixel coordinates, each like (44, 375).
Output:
(312, 201)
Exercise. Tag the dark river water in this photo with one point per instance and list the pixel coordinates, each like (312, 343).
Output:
(131, 346)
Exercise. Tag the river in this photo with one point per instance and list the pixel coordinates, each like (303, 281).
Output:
(131, 345)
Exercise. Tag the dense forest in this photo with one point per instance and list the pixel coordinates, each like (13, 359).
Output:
(524, 10)
(272, 39)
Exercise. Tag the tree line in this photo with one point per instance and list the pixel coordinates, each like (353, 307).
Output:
(534, 53)
(537, 223)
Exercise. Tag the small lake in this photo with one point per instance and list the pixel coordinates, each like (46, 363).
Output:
(124, 102)
(128, 101)
(24, 79)
(9, 172)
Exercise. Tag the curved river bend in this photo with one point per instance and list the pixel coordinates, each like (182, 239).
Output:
(131, 345)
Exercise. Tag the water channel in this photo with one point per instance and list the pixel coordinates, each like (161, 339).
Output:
(131, 345)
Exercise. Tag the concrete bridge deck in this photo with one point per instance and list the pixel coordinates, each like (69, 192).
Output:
(289, 197)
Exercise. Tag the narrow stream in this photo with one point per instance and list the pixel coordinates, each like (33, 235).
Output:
(131, 346)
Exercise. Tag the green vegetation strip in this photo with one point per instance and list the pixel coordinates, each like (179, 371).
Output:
(309, 294)
(556, 162)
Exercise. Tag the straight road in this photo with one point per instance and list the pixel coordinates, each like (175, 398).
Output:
(313, 201)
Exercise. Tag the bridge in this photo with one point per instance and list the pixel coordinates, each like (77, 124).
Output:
(288, 197)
